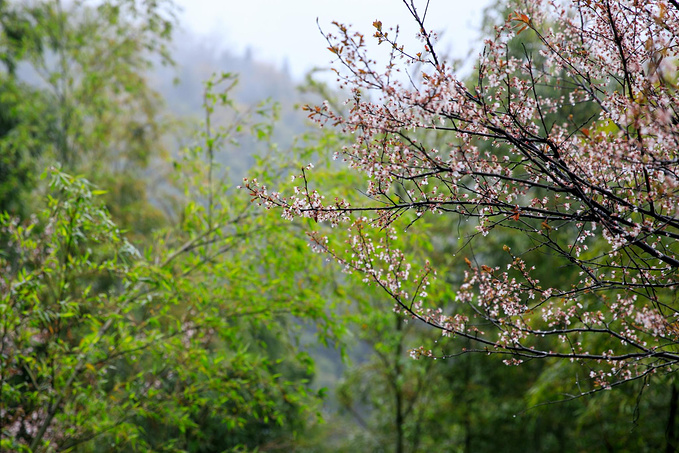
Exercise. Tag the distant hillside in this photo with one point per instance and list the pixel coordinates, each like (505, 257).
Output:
(197, 60)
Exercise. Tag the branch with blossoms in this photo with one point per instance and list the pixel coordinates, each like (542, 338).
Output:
(571, 143)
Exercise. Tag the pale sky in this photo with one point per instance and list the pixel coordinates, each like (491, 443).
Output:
(280, 30)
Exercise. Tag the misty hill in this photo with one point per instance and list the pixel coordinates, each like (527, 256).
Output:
(197, 60)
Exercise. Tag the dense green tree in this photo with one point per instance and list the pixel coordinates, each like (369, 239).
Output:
(187, 345)
(75, 92)
(185, 341)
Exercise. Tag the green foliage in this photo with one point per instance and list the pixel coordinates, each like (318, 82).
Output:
(76, 92)
(20, 107)
(187, 343)
(184, 347)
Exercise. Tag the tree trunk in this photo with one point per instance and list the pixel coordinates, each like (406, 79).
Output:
(398, 388)
(671, 433)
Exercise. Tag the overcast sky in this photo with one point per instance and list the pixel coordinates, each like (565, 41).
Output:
(280, 30)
